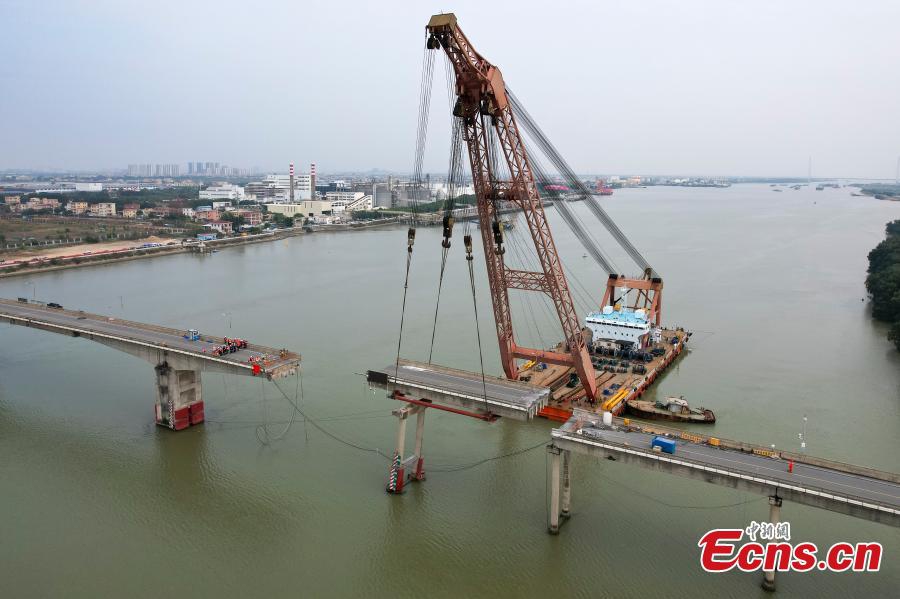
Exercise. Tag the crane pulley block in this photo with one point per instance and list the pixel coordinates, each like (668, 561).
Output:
(498, 237)
(448, 226)
(448, 231)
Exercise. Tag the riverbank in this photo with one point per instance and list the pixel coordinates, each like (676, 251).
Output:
(47, 263)
(109, 253)
(881, 191)
(62, 251)
(882, 282)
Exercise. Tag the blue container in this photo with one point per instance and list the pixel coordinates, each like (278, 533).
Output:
(664, 444)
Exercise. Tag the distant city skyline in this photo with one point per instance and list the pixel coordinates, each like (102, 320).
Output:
(140, 170)
(712, 89)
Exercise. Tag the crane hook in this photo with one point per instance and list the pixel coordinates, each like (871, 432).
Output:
(448, 231)
(498, 237)
(467, 241)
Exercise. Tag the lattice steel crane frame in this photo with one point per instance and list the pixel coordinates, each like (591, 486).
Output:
(482, 102)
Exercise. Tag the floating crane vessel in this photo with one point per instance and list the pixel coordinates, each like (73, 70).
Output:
(606, 358)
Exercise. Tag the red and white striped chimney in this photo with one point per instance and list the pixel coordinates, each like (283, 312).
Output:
(312, 181)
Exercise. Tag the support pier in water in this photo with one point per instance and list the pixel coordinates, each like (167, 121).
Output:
(410, 468)
(856, 491)
(560, 487)
(179, 397)
(422, 386)
(177, 355)
(768, 582)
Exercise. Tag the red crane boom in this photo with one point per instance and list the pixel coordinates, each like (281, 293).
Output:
(482, 103)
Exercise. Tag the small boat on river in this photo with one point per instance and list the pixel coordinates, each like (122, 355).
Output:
(671, 408)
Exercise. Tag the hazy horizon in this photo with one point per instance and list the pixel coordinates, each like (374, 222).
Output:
(714, 89)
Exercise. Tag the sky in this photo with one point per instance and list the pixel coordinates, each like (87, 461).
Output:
(718, 87)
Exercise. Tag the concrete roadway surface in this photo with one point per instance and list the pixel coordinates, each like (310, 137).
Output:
(832, 481)
(69, 320)
(467, 383)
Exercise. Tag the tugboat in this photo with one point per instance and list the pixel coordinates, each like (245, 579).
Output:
(672, 408)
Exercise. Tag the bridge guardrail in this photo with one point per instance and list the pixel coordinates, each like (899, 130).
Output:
(736, 472)
(762, 450)
(88, 317)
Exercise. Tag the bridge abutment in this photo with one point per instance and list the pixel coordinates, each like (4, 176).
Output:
(179, 397)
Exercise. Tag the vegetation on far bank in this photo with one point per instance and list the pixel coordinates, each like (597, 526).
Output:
(881, 191)
(883, 281)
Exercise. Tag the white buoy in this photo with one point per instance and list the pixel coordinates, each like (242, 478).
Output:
(607, 418)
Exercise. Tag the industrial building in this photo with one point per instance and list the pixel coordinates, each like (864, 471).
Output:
(277, 188)
(303, 209)
(382, 196)
(224, 191)
(348, 201)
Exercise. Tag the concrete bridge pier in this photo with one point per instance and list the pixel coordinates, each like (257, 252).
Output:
(397, 474)
(401, 467)
(566, 498)
(768, 582)
(560, 487)
(420, 432)
(179, 397)
(554, 454)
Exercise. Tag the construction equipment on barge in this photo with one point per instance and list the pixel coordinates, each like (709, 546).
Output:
(492, 124)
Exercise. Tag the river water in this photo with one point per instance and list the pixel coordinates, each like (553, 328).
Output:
(95, 500)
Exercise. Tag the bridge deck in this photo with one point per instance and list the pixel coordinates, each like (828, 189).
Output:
(272, 361)
(461, 389)
(822, 484)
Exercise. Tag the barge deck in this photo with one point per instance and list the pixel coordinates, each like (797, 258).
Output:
(614, 388)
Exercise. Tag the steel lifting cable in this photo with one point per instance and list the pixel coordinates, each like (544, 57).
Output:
(262, 431)
(566, 171)
(325, 431)
(455, 155)
(492, 151)
(580, 291)
(437, 304)
(521, 254)
(675, 505)
(445, 468)
(421, 136)
(422, 131)
(572, 220)
(509, 454)
(410, 240)
(467, 241)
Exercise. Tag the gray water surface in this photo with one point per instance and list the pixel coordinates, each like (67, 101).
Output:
(95, 500)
